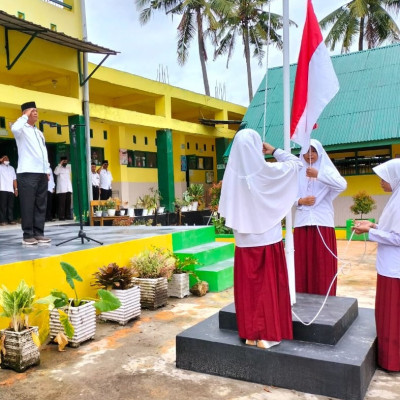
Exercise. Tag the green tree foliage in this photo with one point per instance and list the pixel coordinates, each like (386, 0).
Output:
(363, 204)
(369, 21)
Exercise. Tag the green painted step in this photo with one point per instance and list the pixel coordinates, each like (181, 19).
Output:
(192, 237)
(219, 275)
(208, 253)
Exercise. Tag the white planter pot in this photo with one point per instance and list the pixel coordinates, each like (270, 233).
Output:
(130, 306)
(153, 292)
(82, 318)
(98, 213)
(178, 286)
(131, 212)
(150, 211)
(20, 350)
(194, 205)
(145, 212)
(160, 210)
(121, 212)
(111, 212)
(184, 208)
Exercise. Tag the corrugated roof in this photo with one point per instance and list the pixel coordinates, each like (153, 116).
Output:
(17, 24)
(365, 111)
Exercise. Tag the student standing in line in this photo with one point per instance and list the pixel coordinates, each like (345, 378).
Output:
(105, 181)
(387, 234)
(8, 191)
(63, 188)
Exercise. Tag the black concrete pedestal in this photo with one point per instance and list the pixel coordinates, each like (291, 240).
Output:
(343, 368)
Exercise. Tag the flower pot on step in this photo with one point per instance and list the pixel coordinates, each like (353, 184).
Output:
(178, 286)
(130, 306)
(82, 318)
(111, 212)
(20, 350)
(153, 292)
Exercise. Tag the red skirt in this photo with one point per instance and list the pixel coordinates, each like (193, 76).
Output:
(387, 316)
(261, 290)
(315, 266)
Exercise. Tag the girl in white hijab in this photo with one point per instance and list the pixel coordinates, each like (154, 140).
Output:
(319, 184)
(387, 235)
(255, 197)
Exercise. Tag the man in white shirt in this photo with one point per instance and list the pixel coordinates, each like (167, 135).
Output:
(105, 181)
(63, 188)
(31, 174)
(8, 190)
(95, 182)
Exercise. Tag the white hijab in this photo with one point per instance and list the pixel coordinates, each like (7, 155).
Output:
(324, 165)
(389, 171)
(255, 194)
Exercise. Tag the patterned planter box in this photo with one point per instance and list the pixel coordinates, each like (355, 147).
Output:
(153, 292)
(21, 351)
(178, 286)
(130, 306)
(82, 318)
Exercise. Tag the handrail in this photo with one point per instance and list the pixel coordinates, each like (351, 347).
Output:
(60, 3)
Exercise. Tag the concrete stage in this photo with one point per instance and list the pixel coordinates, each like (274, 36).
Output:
(12, 250)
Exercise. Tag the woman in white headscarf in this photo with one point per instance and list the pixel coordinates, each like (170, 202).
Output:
(387, 235)
(255, 197)
(314, 228)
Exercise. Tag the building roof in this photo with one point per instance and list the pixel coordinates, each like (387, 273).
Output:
(17, 24)
(364, 113)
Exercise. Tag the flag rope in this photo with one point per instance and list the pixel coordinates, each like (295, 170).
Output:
(266, 73)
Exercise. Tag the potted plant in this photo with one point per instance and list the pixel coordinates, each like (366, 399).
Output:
(118, 280)
(186, 201)
(99, 211)
(363, 204)
(111, 207)
(81, 312)
(196, 193)
(148, 204)
(152, 268)
(138, 208)
(19, 343)
(178, 284)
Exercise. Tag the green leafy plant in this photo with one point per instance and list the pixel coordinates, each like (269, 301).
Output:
(215, 193)
(363, 204)
(220, 227)
(196, 192)
(182, 265)
(17, 305)
(106, 302)
(113, 277)
(154, 263)
(110, 204)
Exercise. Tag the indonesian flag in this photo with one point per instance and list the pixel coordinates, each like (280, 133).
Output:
(316, 83)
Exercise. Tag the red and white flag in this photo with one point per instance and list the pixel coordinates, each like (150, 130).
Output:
(316, 83)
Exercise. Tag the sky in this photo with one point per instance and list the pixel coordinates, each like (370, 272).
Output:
(150, 50)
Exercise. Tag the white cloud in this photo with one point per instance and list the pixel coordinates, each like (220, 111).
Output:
(115, 25)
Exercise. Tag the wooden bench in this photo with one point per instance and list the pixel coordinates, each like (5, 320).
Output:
(94, 204)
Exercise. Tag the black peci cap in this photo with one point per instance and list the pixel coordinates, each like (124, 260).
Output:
(29, 104)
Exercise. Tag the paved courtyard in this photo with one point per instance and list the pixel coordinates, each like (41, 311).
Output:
(138, 361)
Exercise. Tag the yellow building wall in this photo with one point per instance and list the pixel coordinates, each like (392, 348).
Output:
(45, 13)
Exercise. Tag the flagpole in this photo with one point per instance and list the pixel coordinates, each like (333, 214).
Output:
(289, 247)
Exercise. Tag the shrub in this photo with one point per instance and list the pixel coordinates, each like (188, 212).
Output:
(155, 263)
(363, 203)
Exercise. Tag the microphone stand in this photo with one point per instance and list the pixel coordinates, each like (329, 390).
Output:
(81, 234)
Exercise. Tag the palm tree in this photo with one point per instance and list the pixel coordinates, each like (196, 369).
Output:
(197, 15)
(246, 18)
(367, 20)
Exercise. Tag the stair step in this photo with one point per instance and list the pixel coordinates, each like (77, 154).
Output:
(219, 275)
(208, 253)
(192, 237)
(332, 323)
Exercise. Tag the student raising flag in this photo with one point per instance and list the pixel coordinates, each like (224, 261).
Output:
(316, 83)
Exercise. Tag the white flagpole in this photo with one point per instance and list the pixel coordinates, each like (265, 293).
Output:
(289, 247)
